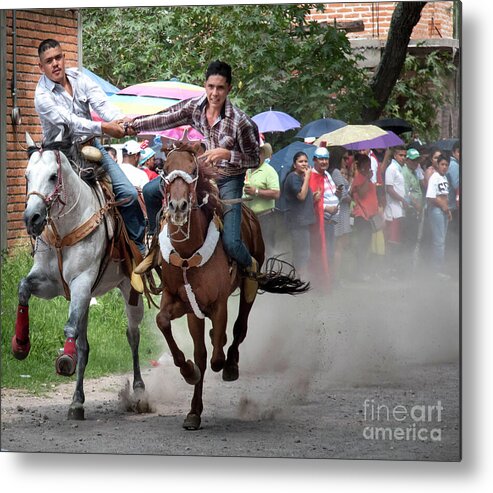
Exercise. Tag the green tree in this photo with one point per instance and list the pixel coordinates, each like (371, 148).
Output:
(420, 90)
(279, 59)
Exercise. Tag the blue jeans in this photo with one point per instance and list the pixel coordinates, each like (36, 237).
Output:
(438, 225)
(153, 198)
(231, 187)
(122, 188)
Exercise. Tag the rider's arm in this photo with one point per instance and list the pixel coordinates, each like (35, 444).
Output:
(174, 116)
(54, 114)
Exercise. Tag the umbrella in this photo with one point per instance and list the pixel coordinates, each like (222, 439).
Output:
(444, 144)
(320, 127)
(133, 106)
(106, 86)
(396, 125)
(169, 89)
(178, 133)
(282, 160)
(382, 142)
(350, 134)
(275, 121)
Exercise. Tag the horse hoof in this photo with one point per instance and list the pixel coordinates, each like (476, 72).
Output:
(192, 422)
(194, 378)
(19, 350)
(217, 365)
(231, 373)
(76, 413)
(65, 365)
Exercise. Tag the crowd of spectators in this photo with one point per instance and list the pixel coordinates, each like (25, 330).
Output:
(382, 214)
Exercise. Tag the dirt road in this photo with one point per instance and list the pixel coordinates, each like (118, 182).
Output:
(317, 380)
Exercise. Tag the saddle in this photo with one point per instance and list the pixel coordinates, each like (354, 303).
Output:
(120, 248)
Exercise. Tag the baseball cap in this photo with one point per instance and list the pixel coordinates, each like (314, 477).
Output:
(145, 154)
(132, 147)
(321, 153)
(412, 154)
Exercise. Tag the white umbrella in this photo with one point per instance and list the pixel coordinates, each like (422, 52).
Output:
(350, 134)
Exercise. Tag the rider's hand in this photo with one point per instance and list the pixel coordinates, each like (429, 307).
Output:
(113, 129)
(213, 156)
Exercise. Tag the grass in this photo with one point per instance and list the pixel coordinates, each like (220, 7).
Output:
(109, 349)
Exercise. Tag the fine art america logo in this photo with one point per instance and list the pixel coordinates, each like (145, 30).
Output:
(402, 423)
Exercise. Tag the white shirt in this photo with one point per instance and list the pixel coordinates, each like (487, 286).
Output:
(56, 107)
(437, 185)
(394, 177)
(329, 195)
(374, 166)
(137, 177)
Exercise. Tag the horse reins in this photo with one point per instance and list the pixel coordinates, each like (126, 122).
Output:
(52, 237)
(54, 196)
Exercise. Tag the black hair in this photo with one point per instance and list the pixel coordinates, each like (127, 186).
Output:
(362, 159)
(219, 68)
(335, 157)
(456, 146)
(46, 45)
(444, 156)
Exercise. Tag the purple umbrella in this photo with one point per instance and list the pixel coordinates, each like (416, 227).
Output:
(382, 142)
(275, 121)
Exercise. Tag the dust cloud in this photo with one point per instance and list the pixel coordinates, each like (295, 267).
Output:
(358, 334)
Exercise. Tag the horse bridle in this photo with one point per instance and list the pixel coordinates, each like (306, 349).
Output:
(191, 181)
(56, 195)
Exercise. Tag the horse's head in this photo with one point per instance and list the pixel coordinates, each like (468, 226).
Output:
(44, 182)
(182, 173)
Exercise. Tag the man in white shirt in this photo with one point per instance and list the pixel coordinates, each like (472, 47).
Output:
(65, 97)
(395, 192)
(131, 153)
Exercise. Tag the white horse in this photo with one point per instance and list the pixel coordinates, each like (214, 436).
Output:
(69, 264)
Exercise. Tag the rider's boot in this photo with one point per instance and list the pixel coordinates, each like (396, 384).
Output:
(150, 261)
(250, 282)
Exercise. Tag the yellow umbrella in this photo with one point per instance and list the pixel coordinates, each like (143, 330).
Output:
(350, 134)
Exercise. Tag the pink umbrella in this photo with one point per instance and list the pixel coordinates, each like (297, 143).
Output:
(178, 132)
(168, 89)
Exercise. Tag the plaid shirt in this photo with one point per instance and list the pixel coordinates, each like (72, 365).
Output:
(233, 130)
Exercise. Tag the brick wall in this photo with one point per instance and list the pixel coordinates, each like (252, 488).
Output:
(436, 19)
(32, 26)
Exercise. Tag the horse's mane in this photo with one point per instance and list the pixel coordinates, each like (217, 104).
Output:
(85, 170)
(206, 185)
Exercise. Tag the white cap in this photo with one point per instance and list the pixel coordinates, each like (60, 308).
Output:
(132, 147)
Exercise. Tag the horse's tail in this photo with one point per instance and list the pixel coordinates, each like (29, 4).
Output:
(280, 277)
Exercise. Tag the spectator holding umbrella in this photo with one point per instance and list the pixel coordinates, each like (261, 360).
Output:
(364, 193)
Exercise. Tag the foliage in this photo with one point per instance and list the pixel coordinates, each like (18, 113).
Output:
(107, 327)
(279, 59)
(421, 91)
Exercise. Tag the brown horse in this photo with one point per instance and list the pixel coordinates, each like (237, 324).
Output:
(197, 276)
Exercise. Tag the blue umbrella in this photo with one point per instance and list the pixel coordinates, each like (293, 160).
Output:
(319, 127)
(275, 121)
(282, 160)
(444, 144)
(106, 86)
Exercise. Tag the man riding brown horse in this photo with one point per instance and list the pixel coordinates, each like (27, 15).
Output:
(231, 139)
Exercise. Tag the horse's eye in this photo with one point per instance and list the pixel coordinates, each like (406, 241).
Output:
(53, 177)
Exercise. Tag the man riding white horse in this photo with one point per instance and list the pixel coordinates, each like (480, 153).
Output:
(64, 96)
